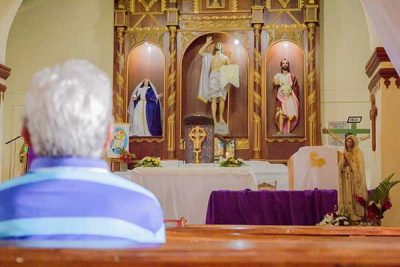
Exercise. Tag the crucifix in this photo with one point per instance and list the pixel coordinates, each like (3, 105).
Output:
(353, 130)
(197, 135)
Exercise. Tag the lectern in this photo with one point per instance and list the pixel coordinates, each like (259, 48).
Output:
(199, 138)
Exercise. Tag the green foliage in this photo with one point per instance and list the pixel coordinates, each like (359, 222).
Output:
(381, 192)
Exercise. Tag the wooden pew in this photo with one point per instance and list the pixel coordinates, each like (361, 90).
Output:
(216, 245)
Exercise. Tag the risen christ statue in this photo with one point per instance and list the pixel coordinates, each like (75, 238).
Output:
(215, 75)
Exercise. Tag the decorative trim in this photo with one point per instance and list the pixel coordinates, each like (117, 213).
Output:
(148, 5)
(242, 143)
(215, 22)
(378, 56)
(290, 140)
(145, 139)
(290, 32)
(4, 71)
(386, 74)
(284, 4)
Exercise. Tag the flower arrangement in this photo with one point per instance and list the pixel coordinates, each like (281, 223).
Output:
(230, 162)
(149, 162)
(126, 156)
(337, 218)
(378, 201)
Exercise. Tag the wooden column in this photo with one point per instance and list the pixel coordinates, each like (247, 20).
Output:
(119, 61)
(171, 85)
(257, 21)
(257, 92)
(312, 116)
(313, 98)
(172, 23)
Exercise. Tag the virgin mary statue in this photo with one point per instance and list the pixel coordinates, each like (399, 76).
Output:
(145, 111)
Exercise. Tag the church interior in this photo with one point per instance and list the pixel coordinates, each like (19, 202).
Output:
(270, 120)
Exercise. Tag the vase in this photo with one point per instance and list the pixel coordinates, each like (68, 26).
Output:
(123, 166)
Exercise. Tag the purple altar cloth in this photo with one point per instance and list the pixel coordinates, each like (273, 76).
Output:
(270, 207)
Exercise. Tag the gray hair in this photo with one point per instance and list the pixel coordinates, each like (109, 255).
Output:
(68, 110)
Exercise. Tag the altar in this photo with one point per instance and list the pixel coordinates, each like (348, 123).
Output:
(184, 190)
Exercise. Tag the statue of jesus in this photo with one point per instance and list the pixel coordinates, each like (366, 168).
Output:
(214, 78)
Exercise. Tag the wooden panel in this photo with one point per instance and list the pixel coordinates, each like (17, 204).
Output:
(233, 246)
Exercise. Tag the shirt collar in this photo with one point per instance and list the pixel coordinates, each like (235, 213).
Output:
(46, 162)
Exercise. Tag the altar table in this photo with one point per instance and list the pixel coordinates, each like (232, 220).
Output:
(184, 191)
(306, 207)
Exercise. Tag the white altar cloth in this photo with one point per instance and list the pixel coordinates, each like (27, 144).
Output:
(184, 191)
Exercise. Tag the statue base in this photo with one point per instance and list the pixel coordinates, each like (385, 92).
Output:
(221, 129)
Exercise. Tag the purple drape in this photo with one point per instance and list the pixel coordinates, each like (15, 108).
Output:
(270, 207)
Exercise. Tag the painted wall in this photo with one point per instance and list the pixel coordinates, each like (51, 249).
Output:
(46, 32)
(389, 145)
(345, 49)
(8, 8)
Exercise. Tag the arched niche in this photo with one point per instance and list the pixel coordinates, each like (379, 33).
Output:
(236, 104)
(146, 61)
(295, 55)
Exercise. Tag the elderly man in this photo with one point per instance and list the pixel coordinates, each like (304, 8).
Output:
(69, 194)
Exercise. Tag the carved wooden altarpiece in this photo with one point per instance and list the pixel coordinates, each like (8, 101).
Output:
(160, 39)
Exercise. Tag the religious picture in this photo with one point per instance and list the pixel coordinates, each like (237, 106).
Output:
(230, 149)
(120, 140)
(216, 74)
(287, 99)
(219, 148)
(145, 110)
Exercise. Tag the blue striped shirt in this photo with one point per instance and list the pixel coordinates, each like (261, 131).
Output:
(78, 199)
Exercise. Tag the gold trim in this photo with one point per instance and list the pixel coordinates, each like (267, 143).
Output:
(215, 4)
(291, 32)
(134, 139)
(268, 6)
(151, 35)
(234, 5)
(186, 38)
(215, 22)
(284, 3)
(196, 6)
(147, 6)
(285, 27)
(183, 19)
(242, 143)
(284, 139)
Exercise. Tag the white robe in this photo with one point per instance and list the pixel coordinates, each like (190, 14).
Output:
(213, 83)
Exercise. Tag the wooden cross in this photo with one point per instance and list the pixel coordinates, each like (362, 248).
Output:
(197, 135)
(353, 130)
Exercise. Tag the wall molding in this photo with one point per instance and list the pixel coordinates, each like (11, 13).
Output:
(4, 71)
(386, 74)
(378, 56)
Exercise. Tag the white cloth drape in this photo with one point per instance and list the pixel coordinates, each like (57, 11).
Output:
(384, 16)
